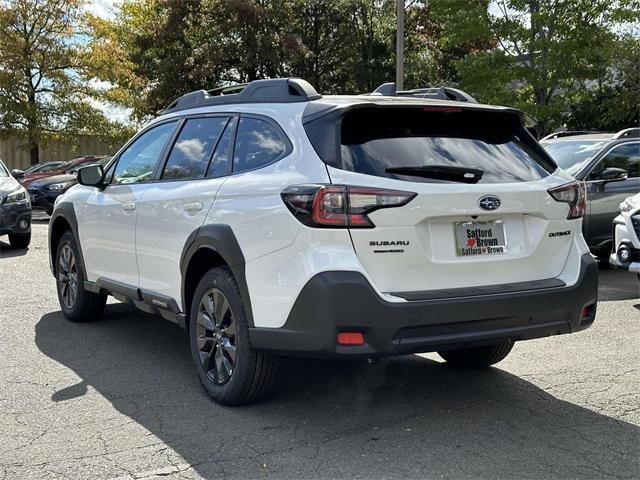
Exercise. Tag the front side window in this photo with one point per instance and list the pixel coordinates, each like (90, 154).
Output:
(626, 157)
(258, 143)
(3, 171)
(137, 162)
(192, 151)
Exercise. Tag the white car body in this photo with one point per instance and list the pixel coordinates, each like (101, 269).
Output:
(626, 233)
(135, 240)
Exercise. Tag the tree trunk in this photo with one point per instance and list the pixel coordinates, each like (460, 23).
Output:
(34, 152)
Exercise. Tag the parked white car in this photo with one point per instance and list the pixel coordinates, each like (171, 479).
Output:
(626, 236)
(277, 221)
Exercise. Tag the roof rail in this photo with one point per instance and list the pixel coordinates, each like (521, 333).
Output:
(568, 133)
(276, 90)
(627, 132)
(439, 93)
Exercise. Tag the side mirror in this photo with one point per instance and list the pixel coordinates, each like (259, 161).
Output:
(16, 173)
(613, 174)
(91, 176)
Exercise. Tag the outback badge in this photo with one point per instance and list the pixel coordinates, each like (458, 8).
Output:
(489, 202)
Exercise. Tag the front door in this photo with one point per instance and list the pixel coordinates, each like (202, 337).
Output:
(109, 216)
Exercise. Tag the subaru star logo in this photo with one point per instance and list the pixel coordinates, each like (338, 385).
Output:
(489, 202)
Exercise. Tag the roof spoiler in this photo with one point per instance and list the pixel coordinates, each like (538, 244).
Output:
(276, 90)
(436, 93)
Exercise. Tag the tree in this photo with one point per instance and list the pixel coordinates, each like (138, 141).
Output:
(547, 49)
(41, 88)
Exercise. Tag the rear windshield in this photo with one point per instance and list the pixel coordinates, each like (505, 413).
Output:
(376, 140)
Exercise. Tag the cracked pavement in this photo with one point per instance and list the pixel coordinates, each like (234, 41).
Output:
(119, 398)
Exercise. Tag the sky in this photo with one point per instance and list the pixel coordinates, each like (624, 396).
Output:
(100, 8)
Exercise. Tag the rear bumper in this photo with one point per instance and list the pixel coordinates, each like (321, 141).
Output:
(11, 215)
(333, 302)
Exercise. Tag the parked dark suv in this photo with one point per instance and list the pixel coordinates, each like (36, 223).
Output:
(609, 164)
(15, 210)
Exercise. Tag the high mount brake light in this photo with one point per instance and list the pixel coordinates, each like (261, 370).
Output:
(575, 195)
(340, 206)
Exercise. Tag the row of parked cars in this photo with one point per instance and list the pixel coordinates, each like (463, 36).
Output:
(37, 186)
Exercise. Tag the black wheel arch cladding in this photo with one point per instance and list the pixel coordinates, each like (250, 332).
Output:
(64, 213)
(220, 240)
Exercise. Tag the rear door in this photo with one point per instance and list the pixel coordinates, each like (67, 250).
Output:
(177, 202)
(605, 196)
(482, 214)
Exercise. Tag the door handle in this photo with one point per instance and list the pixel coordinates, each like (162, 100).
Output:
(193, 207)
(129, 206)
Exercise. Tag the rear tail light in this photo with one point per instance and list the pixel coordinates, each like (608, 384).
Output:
(340, 206)
(574, 194)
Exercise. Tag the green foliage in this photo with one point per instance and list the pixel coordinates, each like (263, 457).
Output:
(42, 91)
(546, 52)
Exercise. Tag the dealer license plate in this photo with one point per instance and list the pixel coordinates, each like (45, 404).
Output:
(480, 238)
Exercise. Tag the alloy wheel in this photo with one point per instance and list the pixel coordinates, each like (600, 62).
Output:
(68, 277)
(216, 336)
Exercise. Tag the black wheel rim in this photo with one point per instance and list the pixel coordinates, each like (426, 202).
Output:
(216, 336)
(67, 277)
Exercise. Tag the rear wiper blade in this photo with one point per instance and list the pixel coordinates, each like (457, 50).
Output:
(440, 172)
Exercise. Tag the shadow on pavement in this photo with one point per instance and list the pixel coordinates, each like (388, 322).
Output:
(403, 417)
(617, 285)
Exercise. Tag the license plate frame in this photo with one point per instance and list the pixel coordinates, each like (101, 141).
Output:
(480, 238)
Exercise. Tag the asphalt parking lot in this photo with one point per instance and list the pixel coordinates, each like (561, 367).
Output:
(119, 399)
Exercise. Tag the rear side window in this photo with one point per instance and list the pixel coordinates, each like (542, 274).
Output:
(258, 143)
(221, 163)
(439, 144)
(193, 148)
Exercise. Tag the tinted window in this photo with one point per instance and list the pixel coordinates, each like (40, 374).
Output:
(572, 155)
(137, 162)
(193, 148)
(374, 140)
(221, 164)
(625, 156)
(258, 143)
(49, 167)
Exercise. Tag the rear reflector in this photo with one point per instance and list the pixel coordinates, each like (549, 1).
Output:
(350, 338)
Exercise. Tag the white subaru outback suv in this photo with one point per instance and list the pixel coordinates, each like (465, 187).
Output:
(275, 221)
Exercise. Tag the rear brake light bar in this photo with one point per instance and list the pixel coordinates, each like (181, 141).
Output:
(574, 194)
(340, 206)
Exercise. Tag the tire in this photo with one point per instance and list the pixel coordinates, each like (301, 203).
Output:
(231, 372)
(479, 357)
(77, 304)
(20, 240)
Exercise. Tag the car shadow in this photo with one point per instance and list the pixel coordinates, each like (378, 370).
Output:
(7, 251)
(396, 418)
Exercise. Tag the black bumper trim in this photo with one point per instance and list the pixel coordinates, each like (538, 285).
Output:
(332, 302)
(480, 291)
